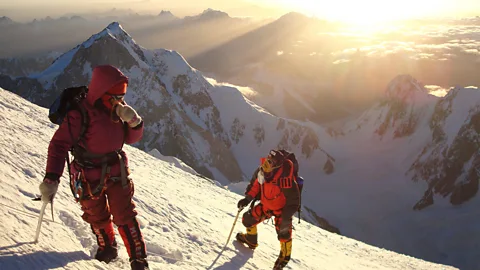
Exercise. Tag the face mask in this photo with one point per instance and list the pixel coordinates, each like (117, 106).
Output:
(260, 177)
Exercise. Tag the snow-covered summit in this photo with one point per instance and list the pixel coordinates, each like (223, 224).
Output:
(114, 29)
(405, 88)
(405, 106)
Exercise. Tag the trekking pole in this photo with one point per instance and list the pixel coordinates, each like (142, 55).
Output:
(40, 219)
(229, 235)
(233, 226)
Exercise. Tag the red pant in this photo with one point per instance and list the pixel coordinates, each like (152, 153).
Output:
(116, 202)
(98, 212)
(258, 214)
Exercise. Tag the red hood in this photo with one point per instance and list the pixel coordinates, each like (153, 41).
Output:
(104, 78)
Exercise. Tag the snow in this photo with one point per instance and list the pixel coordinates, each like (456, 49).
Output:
(466, 99)
(185, 219)
(177, 65)
(173, 161)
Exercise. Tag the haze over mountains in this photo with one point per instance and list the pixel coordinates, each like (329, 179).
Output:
(338, 70)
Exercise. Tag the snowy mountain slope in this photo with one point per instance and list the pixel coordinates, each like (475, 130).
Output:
(405, 105)
(185, 219)
(410, 151)
(443, 130)
(450, 164)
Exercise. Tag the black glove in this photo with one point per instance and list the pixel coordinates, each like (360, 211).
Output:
(243, 202)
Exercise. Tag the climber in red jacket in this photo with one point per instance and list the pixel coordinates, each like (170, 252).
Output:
(276, 188)
(101, 165)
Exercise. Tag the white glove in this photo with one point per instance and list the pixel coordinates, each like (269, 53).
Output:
(128, 115)
(48, 189)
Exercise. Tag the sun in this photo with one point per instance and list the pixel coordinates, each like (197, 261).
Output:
(365, 12)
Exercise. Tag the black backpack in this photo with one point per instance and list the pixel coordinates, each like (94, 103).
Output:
(70, 99)
(291, 156)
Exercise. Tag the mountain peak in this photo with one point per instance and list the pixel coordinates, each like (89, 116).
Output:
(111, 40)
(166, 13)
(294, 16)
(214, 13)
(209, 13)
(404, 86)
(115, 28)
(6, 20)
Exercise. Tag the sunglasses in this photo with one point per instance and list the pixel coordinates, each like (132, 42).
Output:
(117, 97)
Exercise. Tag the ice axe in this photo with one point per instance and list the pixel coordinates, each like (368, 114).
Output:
(40, 217)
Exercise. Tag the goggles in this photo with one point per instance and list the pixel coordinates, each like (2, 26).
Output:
(268, 165)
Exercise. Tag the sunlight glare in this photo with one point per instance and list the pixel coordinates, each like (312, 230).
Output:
(366, 12)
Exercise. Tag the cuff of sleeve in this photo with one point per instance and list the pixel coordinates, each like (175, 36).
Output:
(52, 176)
(138, 126)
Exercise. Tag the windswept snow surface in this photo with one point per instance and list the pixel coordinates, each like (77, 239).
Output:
(185, 219)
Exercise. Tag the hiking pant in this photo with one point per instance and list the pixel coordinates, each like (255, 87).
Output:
(116, 201)
(258, 214)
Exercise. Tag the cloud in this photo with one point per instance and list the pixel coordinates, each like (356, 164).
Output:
(436, 90)
(341, 61)
(438, 42)
(245, 90)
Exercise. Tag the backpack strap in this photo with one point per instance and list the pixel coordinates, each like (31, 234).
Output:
(85, 120)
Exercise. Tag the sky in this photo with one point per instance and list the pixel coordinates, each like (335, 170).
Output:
(185, 219)
(366, 11)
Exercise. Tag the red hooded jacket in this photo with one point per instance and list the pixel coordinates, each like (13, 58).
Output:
(102, 135)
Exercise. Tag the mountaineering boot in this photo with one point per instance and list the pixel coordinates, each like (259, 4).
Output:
(133, 240)
(107, 246)
(138, 264)
(108, 253)
(250, 238)
(284, 257)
